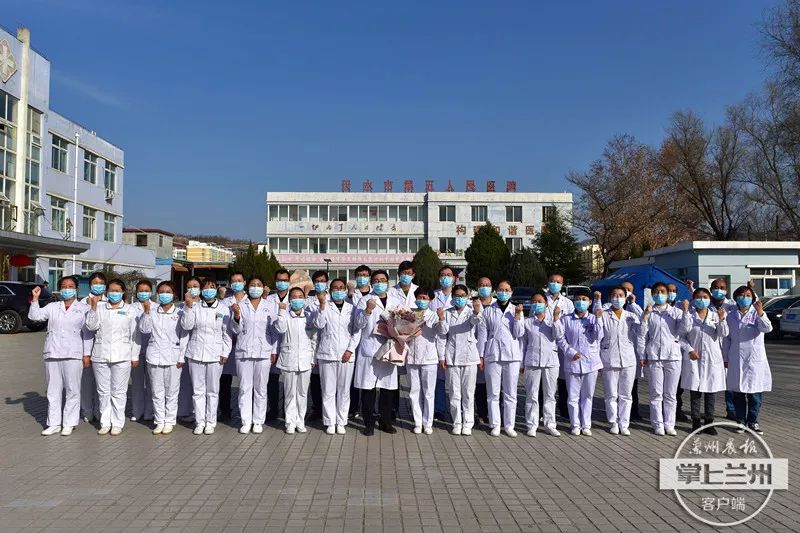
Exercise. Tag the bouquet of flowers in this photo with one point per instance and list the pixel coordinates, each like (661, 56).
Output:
(398, 325)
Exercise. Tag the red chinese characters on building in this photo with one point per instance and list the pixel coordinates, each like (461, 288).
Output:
(408, 186)
(428, 185)
(461, 230)
(387, 186)
(512, 230)
(470, 185)
(490, 186)
(367, 186)
(511, 186)
(529, 230)
(450, 186)
(345, 185)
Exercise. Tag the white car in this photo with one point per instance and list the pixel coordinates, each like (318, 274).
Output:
(790, 321)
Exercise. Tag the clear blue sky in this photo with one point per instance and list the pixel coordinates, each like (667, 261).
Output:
(217, 102)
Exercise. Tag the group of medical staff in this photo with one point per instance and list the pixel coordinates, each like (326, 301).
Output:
(176, 348)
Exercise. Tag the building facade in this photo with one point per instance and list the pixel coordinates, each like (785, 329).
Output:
(159, 241)
(341, 230)
(47, 162)
(208, 252)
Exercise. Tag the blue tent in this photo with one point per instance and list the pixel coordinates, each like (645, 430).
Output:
(643, 277)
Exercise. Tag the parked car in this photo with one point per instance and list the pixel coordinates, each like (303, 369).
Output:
(775, 307)
(790, 320)
(15, 299)
(570, 290)
(522, 295)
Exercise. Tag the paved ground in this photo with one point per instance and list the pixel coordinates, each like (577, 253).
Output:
(317, 482)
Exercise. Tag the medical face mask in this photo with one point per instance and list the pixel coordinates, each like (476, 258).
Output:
(255, 291)
(581, 305)
(380, 288)
(362, 281)
(659, 298)
(446, 281)
(143, 296)
(503, 296)
(617, 302)
(405, 279)
(484, 292)
(672, 296)
(422, 304)
(719, 294)
(297, 303)
(209, 294)
(194, 292)
(538, 307)
(165, 298)
(338, 296)
(68, 294)
(97, 289)
(282, 285)
(701, 303)
(114, 297)
(744, 301)
(460, 301)
(320, 286)
(237, 286)
(554, 287)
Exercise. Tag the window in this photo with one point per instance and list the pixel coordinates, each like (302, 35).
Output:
(513, 213)
(110, 179)
(323, 213)
(284, 212)
(141, 240)
(382, 213)
(353, 212)
(303, 214)
(447, 245)
(90, 167)
(55, 272)
(342, 217)
(109, 227)
(60, 151)
(273, 212)
(393, 212)
(89, 219)
(373, 213)
(160, 241)
(479, 213)
(447, 213)
(402, 213)
(514, 244)
(27, 273)
(313, 212)
(58, 215)
(362, 213)
(547, 212)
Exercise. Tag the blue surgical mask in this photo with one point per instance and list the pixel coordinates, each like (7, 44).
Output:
(538, 307)
(484, 292)
(405, 279)
(255, 291)
(582, 305)
(744, 301)
(143, 296)
(68, 294)
(460, 301)
(659, 298)
(719, 294)
(446, 281)
(338, 296)
(422, 304)
(503, 296)
(701, 303)
(165, 298)
(297, 303)
(209, 294)
(554, 287)
(237, 286)
(114, 297)
(672, 296)
(320, 287)
(362, 281)
(194, 291)
(380, 288)
(97, 289)
(282, 285)
(617, 303)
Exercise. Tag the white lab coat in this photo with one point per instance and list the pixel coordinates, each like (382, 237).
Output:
(371, 373)
(662, 336)
(396, 293)
(499, 334)
(743, 349)
(116, 336)
(460, 328)
(422, 349)
(704, 337)
(253, 338)
(336, 331)
(540, 342)
(65, 328)
(230, 365)
(622, 339)
(210, 336)
(168, 339)
(298, 341)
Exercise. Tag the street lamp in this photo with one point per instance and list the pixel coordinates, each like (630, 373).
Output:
(327, 265)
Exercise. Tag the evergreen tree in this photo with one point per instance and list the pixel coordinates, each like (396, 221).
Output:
(261, 264)
(526, 270)
(487, 255)
(558, 249)
(427, 265)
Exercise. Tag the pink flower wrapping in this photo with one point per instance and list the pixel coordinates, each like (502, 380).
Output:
(398, 325)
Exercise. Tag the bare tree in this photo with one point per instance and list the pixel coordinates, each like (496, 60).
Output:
(781, 31)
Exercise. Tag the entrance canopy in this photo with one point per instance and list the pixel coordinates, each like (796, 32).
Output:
(12, 242)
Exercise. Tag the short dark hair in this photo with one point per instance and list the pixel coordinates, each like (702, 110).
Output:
(447, 267)
(208, 281)
(320, 274)
(62, 279)
(282, 271)
(194, 278)
(658, 284)
(539, 292)
(253, 278)
(378, 272)
(117, 281)
(235, 273)
(144, 281)
(556, 273)
(583, 292)
(741, 290)
(98, 275)
(167, 283)
(293, 289)
(700, 290)
(334, 280)
(424, 290)
(405, 265)
(462, 287)
(363, 268)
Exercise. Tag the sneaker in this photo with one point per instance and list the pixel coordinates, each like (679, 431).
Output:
(417, 430)
(302, 429)
(671, 432)
(614, 429)
(680, 416)
(495, 432)
(340, 430)
(730, 415)
(209, 430)
(710, 431)
(167, 429)
(369, 431)
(198, 429)
(625, 432)
(575, 431)
(88, 419)
(586, 432)
(756, 428)
(531, 432)
(331, 430)
(466, 432)
(133, 419)
(51, 430)
(258, 429)
(116, 431)
(245, 429)
(659, 431)
(159, 429)
(511, 433)
(290, 430)
(66, 431)
(740, 428)
(428, 430)
(553, 432)
(104, 430)
(696, 424)
(456, 430)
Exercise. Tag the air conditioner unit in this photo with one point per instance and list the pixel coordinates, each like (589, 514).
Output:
(37, 208)
(110, 194)
(4, 199)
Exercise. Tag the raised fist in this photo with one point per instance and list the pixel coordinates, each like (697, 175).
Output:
(371, 305)
(282, 306)
(36, 292)
(321, 298)
(237, 311)
(440, 313)
(648, 310)
(520, 310)
(188, 300)
(598, 312)
(238, 296)
(759, 305)
(686, 306)
(598, 295)
(556, 313)
(721, 313)
(146, 306)
(93, 301)
(476, 307)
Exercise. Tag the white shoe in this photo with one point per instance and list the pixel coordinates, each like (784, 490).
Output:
(167, 429)
(258, 429)
(88, 420)
(614, 429)
(456, 430)
(290, 430)
(586, 432)
(466, 431)
(417, 430)
(51, 430)
(116, 431)
(554, 432)
(209, 430)
(245, 429)
(495, 432)
(104, 430)
(340, 430)
(133, 419)
(428, 430)
(575, 431)
(331, 430)
(671, 432)
(302, 429)
(739, 428)
(659, 431)
(625, 432)
(159, 429)
(531, 432)
(198, 429)
(511, 433)
(66, 431)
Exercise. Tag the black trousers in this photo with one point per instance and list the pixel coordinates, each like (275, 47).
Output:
(695, 398)
(315, 391)
(273, 392)
(679, 396)
(481, 407)
(385, 403)
(635, 399)
(561, 399)
(355, 397)
(225, 383)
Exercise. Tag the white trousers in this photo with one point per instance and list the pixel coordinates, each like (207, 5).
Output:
(580, 391)
(295, 396)
(185, 407)
(547, 377)
(502, 375)
(89, 401)
(335, 378)
(205, 390)
(141, 397)
(63, 376)
(461, 391)
(112, 391)
(618, 386)
(165, 382)
(422, 379)
(253, 376)
(662, 379)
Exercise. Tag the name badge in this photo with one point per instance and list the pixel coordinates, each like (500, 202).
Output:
(123, 313)
(219, 316)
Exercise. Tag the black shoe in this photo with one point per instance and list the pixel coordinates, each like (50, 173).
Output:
(682, 417)
(387, 428)
(710, 431)
(369, 431)
(731, 416)
(755, 427)
(271, 415)
(696, 424)
(635, 415)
